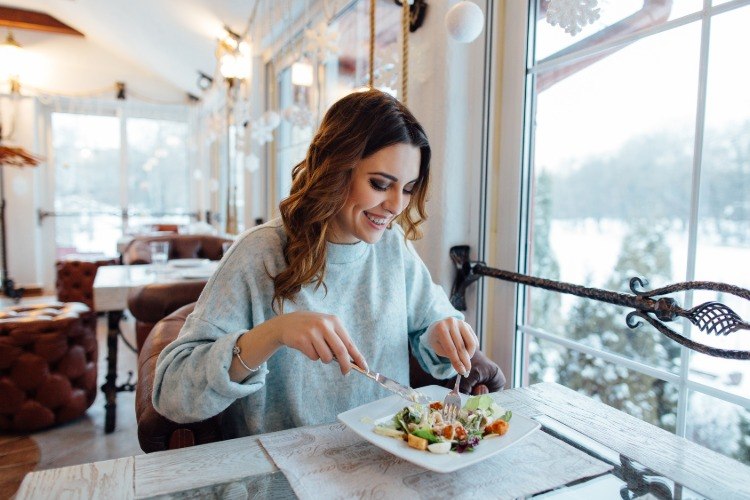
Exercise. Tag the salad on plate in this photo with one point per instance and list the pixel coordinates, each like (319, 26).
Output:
(422, 425)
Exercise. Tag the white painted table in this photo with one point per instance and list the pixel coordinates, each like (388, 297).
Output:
(111, 287)
(646, 460)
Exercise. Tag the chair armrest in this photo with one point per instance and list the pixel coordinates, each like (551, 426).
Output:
(485, 376)
(155, 432)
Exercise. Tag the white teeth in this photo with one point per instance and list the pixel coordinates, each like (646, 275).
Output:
(379, 222)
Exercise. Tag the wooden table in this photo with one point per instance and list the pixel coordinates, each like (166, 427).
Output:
(242, 466)
(111, 287)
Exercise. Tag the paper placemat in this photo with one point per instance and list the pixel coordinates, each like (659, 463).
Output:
(330, 461)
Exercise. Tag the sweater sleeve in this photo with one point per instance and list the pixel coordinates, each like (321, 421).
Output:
(427, 303)
(192, 381)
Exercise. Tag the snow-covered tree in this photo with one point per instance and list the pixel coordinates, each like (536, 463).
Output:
(644, 253)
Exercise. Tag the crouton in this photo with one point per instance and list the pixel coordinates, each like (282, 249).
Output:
(417, 442)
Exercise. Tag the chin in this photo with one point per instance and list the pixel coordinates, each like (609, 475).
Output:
(370, 237)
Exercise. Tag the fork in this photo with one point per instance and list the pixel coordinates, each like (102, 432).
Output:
(452, 403)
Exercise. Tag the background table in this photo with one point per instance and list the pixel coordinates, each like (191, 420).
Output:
(111, 287)
(645, 457)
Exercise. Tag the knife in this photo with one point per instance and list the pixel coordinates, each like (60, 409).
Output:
(404, 391)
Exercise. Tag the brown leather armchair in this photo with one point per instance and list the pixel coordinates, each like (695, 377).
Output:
(181, 246)
(75, 283)
(156, 433)
(151, 303)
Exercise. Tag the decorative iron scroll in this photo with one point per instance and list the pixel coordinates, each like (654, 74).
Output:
(709, 317)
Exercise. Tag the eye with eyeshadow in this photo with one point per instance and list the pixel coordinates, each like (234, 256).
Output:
(378, 186)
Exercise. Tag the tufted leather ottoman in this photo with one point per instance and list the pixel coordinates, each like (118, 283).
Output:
(47, 365)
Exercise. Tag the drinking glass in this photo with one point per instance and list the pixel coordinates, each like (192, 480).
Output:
(159, 253)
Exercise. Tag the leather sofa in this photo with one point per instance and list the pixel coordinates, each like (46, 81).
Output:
(181, 246)
(47, 365)
(156, 433)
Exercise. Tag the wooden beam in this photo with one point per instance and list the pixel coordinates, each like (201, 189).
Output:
(33, 20)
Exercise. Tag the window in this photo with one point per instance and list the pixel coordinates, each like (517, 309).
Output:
(637, 163)
(116, 172)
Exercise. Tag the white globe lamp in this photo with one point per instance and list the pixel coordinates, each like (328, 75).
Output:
(464, 22)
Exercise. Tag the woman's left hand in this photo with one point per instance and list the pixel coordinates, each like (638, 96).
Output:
(454, 339)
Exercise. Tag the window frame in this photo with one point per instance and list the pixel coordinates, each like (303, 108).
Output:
(508, 220)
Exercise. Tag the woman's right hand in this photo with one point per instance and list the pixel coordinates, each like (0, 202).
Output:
(319, 337)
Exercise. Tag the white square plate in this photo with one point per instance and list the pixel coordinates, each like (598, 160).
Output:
(363, 418)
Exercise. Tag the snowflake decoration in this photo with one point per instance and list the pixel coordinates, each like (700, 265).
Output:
(572, 15)
(261, 130)
(322, 41)
(298, 116)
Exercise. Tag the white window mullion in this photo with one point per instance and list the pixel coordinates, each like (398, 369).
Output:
(700, 122)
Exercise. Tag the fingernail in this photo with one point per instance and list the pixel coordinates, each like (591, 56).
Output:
(465, 374)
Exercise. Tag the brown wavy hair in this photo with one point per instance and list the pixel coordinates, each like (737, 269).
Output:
(355, 127)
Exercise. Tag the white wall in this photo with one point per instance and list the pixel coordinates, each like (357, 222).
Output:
(445, 93)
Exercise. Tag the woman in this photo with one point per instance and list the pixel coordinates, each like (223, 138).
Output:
(334, 279)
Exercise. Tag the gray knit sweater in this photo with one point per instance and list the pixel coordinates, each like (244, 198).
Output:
(382, 293)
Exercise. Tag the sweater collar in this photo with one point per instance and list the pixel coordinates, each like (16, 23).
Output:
(342, 253)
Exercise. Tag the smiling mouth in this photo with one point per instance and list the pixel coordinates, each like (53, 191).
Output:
(379, 221)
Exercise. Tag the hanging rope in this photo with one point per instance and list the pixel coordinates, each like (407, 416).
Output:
(405, 51)
(372, 44)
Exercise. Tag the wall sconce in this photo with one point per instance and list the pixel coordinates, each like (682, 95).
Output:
(234, 55)
(11, 58)
(302, 74)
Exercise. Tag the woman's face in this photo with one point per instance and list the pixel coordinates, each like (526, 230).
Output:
(380, 190)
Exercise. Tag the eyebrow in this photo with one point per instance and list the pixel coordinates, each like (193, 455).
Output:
(391, 177)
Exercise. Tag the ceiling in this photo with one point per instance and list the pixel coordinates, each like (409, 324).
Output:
(173, 39)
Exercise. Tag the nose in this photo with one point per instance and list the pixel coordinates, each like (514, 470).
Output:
(394, 203)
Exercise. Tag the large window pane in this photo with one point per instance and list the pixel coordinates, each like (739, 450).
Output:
(724, 210)
(87, 183)
(158, 178)
(611, 199)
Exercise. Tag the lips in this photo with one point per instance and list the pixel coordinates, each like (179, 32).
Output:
(377, 220)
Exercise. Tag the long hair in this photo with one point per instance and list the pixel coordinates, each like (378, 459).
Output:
(355, 127)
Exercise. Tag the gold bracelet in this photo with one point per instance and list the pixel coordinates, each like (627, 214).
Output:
(236, 352)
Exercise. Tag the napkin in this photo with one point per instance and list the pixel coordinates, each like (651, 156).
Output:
(330, 461)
